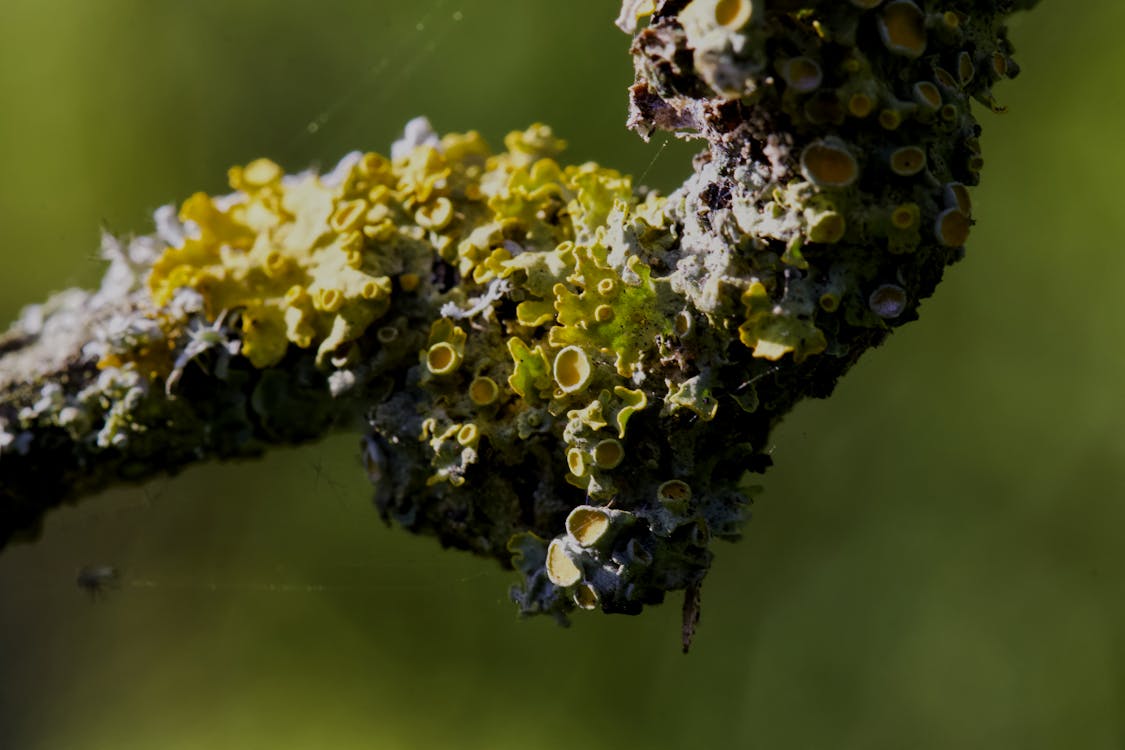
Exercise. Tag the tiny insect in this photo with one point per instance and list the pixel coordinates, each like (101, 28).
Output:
(96, 580)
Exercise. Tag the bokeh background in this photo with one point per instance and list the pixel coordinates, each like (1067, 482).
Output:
(937, 561)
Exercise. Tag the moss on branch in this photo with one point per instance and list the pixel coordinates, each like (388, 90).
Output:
(547, 364)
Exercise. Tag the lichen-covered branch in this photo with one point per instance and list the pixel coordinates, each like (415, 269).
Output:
(548, 365)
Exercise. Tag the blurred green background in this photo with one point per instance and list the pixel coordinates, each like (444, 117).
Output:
(937, 560)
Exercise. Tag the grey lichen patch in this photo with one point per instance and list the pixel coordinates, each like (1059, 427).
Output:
(68, 335)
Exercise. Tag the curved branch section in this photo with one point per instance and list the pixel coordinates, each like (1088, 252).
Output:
(549, 366)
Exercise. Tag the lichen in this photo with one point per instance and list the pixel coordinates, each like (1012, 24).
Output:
(552, 366)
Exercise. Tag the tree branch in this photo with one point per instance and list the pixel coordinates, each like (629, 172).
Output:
(548, 365)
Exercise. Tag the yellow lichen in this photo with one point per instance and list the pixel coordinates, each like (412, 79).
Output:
(733, 14)
(344, 243)
(576, 462)
(531, 374)
(694, 395)
(588, 525)
(802, 74)
(249, 250)
(674, 494)
(610, 316)
(632, 401)
(586, 597)
(829, 163)
(927, 95)
(860, 104)
(957, 196)
(561, 569)
(908, 160)
(572, 369)
(903, 29)
(771, 333)
(608, 454)
(468, 435)
(483, 391)
(446, 348)
(952, 227)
